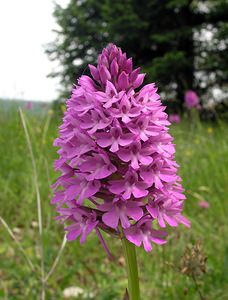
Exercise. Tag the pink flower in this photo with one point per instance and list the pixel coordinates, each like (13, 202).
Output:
(158, 173)
(81, 188)
(120, 211)
(191, 99)
(115, 138)
(98, 166)
(203, 204)
(167, 211)
(95, 121)
(174, 118)
(143, 128)
(143, 233)
(29, 105)
(83, 222)
(129, 186)
(111, 92)
(124, 110)
(116, 157)
(136, 155)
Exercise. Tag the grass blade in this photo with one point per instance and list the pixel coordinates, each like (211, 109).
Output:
(56, 261)
(17, 243)
(39, 212)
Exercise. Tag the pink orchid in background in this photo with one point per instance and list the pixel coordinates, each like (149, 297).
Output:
(174, 118)
(29, 105)
(191, 99)
(204, 204)
(117, 157)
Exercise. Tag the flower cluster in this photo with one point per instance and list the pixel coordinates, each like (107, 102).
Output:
(29, 105)
(116, 157)
(174, 118)
(191, 100)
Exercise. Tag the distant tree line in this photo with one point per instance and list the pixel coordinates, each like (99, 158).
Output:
(181, 44)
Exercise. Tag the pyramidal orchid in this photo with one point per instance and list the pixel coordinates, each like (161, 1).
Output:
(174, 118)
(116, 159)
(191, 99)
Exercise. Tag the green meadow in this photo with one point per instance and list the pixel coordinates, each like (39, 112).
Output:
(26, 261)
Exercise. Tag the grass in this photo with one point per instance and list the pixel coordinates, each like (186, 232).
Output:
(202, 153)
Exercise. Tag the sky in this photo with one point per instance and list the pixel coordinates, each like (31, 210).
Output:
(25, 27)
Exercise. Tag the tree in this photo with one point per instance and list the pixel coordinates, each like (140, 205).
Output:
(163, 36)
(211, 44)
(79, 37)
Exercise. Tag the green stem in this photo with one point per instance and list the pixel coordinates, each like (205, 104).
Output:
(132, 269)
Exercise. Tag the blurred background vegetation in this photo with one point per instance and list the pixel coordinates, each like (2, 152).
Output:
(181, 44)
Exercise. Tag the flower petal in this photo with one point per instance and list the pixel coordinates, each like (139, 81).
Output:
(111, 218)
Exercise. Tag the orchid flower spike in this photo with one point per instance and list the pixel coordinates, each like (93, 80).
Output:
(116, 157)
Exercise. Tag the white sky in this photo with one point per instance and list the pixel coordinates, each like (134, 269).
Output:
(25, 27)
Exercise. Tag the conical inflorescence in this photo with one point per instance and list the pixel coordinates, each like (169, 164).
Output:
(117, 157)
